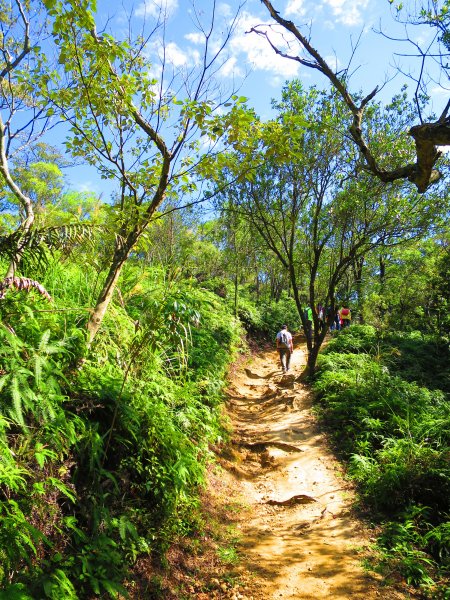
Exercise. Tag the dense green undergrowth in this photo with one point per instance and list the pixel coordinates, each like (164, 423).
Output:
(385, 398)
(102, 463)
(102, 460)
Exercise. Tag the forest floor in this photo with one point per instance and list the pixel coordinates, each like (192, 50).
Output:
(299, 535)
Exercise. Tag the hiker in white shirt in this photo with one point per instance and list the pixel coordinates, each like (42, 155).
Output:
(285, 347)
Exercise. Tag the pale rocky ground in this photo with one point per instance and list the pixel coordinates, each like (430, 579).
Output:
(299, 537)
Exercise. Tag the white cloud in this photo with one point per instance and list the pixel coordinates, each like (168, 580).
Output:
(231, 68)
(224, 10)
(195, 38)
(255, 52)
(346, 12)
(194, 55)
(276, 82)
(170, 53)
(439, 90)
(248, 51)
(154, 8)
(333, 62)
(86, 186)
(175, 55)
(295, 8)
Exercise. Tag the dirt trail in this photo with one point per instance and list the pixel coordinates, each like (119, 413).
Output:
(299, 537)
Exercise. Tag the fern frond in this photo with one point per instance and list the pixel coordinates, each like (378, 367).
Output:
(43, 344)
(65, 235)
(59, 485)
(17, 401)
(38, 363)
(37, 243)
(46, 405)
(3, 381)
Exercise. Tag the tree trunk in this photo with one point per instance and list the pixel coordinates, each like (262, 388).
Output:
(236, 292)
(105, 296)
(358, 265)
(25, 229)
(382, 263)
(312, 358)
(382, 280)
(121, 253)
(24, 200)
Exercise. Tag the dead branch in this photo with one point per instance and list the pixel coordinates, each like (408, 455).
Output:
(427, 136)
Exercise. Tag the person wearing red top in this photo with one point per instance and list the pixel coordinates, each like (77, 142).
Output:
(345, 316)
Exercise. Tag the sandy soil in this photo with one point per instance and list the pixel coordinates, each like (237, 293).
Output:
(300, 538)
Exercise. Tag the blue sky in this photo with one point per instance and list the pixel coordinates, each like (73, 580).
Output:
(335, 28)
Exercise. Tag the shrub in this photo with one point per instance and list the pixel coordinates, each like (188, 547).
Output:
(105, 463)
(275, 314)
(395, 435)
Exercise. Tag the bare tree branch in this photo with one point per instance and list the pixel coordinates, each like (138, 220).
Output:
(427, 136)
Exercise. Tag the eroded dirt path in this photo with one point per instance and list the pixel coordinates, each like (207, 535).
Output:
(299, 537)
